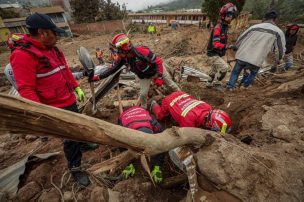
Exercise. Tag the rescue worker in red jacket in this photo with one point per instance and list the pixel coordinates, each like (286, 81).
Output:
(189, 112)
(143, 62)
(138, 118)
(42, 75)
(217, 46)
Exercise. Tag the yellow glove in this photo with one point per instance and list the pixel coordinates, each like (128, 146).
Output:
(80, 94)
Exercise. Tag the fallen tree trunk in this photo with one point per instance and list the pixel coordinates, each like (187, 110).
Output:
(272, 172)
(21, 115)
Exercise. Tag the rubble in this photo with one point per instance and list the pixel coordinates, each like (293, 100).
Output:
(268, 168)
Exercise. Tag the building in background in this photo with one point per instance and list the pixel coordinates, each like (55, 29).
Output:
(16, 25)
(65, 4)
(168, 17)
(4, 33)
(58, 16)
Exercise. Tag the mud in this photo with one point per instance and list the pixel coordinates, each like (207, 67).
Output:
(271, 113)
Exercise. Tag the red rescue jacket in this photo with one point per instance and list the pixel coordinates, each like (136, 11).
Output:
(144, 63)
(136, 118)
(42, 74)
(218, 40)
(185, 110)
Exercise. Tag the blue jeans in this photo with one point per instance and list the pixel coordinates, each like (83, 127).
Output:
(247, 78)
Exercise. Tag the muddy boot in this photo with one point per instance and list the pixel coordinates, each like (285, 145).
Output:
(88, 147)
(80, 176)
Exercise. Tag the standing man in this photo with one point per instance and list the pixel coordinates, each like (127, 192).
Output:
(217, 46)
(189, 112)
(143, 62)
(291, 41)
(42, 75)
(253, 46)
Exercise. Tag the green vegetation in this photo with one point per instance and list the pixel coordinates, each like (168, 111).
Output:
(212, 7)
(288, 10)
(85, 11)
(176, 5)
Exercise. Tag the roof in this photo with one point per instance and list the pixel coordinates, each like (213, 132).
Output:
(14, 20)
(47, 10)
(10, 6)
(166, 14)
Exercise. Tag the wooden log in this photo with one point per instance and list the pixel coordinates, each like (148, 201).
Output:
(174, 181)
(19, 115)
(114, 163)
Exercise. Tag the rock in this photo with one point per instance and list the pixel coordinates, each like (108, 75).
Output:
(282, 132)
(99, 194)
(68, 196)
(50, 196)
(28, 191)
(113, 196)
(31, 137)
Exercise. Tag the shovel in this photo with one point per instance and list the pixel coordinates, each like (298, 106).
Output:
(88, 64)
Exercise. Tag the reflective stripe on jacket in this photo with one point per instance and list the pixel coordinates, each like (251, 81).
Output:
(185, 110)
(135, 118)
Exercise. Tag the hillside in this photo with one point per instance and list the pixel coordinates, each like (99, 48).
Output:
(179, 4)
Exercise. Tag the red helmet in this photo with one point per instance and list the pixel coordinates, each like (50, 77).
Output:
(122, 41)
(228, 9)
(216, 119)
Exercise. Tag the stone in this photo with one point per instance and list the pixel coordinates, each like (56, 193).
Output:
(28, 191)
(68, 196)
(98, 194)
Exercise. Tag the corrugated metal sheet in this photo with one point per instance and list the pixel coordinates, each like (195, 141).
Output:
(9, 177)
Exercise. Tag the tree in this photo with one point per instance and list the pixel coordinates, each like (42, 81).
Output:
(288, 10)
(212, 7)
(110, 11)
(85, 10)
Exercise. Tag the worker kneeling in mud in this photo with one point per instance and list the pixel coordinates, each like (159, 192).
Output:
(143, 62)
(138, 118)
(189, 112)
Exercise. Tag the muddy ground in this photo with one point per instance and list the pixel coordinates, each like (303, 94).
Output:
(269, 116)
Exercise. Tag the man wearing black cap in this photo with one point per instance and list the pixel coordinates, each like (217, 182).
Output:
(42, 75)
(253, 47)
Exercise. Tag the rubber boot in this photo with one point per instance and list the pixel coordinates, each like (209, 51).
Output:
(80, 176)
(88, 147)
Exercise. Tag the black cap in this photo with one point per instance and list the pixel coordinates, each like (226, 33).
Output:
(38, 20)
(270, 15)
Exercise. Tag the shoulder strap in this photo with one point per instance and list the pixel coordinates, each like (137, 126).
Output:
(150, 58)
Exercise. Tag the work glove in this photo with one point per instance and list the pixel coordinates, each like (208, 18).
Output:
(233, 47)
(158, 81)
(128, 171)
(80, 94)
(157, 174)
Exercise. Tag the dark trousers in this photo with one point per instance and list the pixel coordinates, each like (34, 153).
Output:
(159, 158)
(71, 148)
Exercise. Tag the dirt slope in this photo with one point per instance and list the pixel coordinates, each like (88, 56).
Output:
(270, 114)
